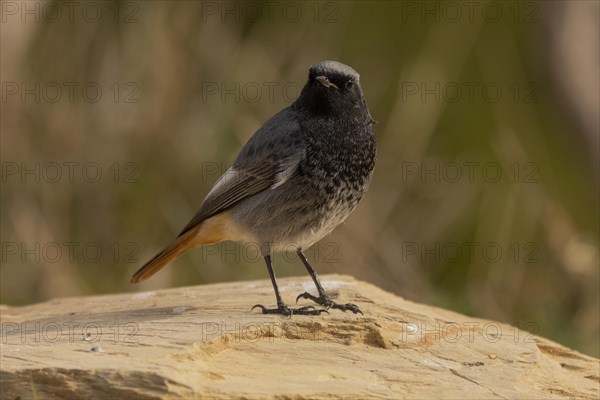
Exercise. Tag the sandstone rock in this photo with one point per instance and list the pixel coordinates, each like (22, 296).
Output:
(203, 342)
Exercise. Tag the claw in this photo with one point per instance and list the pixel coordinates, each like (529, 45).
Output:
(326, 302)
(264, 309)
(284, 310)
(306, 295)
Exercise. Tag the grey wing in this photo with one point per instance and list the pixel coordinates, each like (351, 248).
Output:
(269, 159)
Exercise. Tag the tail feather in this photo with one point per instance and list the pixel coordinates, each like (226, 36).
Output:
(177, 248)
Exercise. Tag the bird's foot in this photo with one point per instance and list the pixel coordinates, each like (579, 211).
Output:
(285, 310)
(326, 302)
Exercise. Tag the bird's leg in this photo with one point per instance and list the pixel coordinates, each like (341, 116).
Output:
(323, 299)
(282, 308)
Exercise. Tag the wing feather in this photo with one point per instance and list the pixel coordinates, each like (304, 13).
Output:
(269, 159)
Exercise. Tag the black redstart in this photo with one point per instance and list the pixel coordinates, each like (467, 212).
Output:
(300, 175)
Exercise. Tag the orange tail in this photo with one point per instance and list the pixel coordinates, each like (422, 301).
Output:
(212, 230)
(181, 245)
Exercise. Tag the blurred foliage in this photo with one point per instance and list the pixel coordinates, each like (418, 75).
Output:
(170, 119)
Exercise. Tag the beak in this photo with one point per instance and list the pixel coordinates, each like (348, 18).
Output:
(323, 81)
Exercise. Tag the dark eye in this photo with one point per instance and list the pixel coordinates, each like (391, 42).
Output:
(349, 84)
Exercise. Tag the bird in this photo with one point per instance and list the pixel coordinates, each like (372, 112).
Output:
(296, 179)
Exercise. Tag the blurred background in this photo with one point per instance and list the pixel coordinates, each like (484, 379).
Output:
(117, 118)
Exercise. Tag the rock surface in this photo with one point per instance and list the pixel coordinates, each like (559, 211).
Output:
(203, 342)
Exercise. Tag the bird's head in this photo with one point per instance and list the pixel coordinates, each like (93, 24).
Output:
(333, 89)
